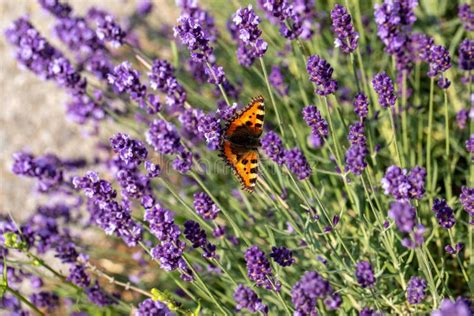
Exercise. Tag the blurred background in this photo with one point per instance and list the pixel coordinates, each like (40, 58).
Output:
(32, 115)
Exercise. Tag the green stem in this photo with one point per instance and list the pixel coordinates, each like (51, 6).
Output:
(446, 131)
(428, 143)
(395, 139)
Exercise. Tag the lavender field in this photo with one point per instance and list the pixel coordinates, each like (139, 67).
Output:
(273, 157)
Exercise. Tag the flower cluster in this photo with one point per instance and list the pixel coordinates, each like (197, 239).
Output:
(416, 291)
(309, 289)
(383, 85)
(162, 78)
(444, 214)
(47, 169)
(319, 126)
(401, 184)
(466, 15)
(244, 29)
(361, 106)
(357, 152)
(106, 211)
(283, 256)
(466, 55)
(205, 207)
(246, 298)
(347, 37)
(39, 56)
(272, 145)
(170, 250)
(365, 274)
(320, 72)
(467, 199)
(259, 269)
(198, 238)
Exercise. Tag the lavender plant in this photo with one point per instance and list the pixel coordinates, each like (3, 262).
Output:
(365, 194)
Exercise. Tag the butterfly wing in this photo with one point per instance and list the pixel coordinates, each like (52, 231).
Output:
(248, 121)
(244, 163)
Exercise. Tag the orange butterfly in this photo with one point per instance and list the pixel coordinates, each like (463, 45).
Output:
(240, 142)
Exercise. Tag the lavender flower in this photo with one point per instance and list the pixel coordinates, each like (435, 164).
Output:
(313, 118)
(107, 28)
(48, 300)
(126, 79)
(277, 80)
(81, 109)
(333, 301)
(55, 7)
(444, 214)
(35, 53)
(297, 163)
(461, 118)
(272, 145)
(192, 34)
(47, 169)
(163, 79)
(416, 237)
(466, 54)
(394, 20)
(357, 152)
(162, 224)
(470, 145)
(420, 46)
(466, 15)
(283, 256)
(209, 126)
(439, 60)
(365, 274)
(361, 106)
(97, 296)
(131, 151)
(78, 276)
(320, 72)
(150, 307)
(453, 250)
(416, 291)
(246, 298)
(383, 85)
(205, 207)
(144, 8)
(347, 37)
(307, 290)
(215, 74)
(449, 308)
(355, 158)
(404, 216)
(153, 170)
(467, 199)
(401, 185)
(356, 134)
(198, 238)
(183, 161)
(112, 217)
(169, 254)
(244, 29)
(163, 137)
(259, 270)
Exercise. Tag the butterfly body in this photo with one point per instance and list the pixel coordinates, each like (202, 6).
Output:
(241, 141)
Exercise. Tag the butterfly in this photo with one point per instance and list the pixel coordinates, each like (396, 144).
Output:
(241, 140)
